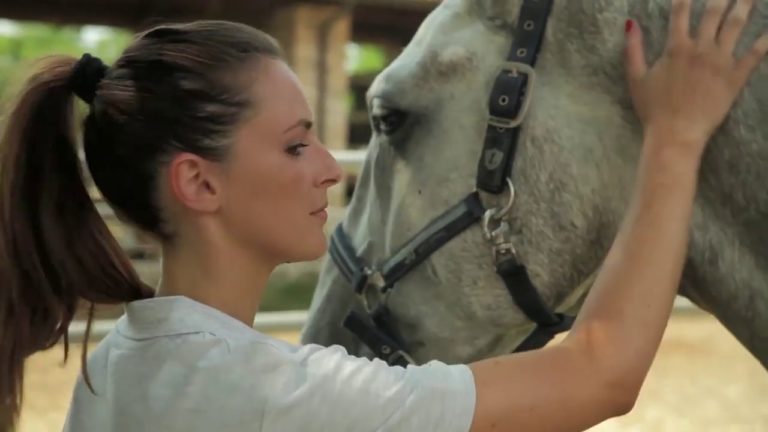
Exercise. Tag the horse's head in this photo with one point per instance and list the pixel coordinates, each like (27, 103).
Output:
(429, 112)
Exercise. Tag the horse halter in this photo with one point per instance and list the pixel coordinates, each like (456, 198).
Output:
(509, 102)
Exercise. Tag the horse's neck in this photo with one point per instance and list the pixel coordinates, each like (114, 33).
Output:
(585, 35)
(726, 270)
(726, 277)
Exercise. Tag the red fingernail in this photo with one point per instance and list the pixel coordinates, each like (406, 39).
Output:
(628, 25)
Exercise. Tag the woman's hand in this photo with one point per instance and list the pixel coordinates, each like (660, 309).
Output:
(687, 94)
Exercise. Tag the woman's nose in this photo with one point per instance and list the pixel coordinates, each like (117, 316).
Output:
(332, 172)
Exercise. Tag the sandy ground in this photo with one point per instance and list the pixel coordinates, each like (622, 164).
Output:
(702, 380)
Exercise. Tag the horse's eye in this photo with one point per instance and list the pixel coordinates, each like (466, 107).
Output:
(386, 120)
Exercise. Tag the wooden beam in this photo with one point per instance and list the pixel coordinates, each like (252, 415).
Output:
(387, 23)
(138, 13)
(390, 19)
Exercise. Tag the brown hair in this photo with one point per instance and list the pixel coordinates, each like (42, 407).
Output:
(171, 91)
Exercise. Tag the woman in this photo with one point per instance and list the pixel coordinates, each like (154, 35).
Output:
(200, 135)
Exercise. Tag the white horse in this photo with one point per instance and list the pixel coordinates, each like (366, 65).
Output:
(573, 172)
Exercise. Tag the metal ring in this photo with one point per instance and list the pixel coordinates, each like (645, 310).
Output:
(375, 282)
(487, 216)
(500, 213)
(497, 213)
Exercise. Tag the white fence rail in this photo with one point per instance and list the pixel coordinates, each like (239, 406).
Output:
(351, 161)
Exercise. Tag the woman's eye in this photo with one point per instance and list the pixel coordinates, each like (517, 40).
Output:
(296, 150)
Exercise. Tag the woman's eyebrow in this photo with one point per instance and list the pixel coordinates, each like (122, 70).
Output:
(306, 124)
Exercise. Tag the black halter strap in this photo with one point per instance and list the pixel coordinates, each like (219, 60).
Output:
(434, 236)
(508, 105)
(377, 339)
(507, 101)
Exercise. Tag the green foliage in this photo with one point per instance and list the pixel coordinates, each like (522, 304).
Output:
(365, 59)
(21, 43)
(289, 293)
(32, 40)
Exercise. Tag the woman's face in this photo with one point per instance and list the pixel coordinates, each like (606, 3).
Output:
(278, 173)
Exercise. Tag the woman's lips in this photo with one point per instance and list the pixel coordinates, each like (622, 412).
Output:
(321, 213)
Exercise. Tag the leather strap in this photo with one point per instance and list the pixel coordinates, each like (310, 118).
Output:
(542, 335)
(435, 235)
(509, 91)
(376, 340)
(525, 295)
(346, 259)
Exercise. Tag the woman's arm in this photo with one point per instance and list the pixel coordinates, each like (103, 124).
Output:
(597, 372)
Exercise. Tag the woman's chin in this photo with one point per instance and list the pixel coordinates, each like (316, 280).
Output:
(312, 250)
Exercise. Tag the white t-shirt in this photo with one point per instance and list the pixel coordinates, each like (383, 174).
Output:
(172, 364)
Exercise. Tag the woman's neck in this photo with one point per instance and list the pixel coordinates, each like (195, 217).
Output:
(221, 274)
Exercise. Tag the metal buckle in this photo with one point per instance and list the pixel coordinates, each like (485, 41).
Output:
(497, 231)
(372, 295)
(502, 247)
(516, 68)
(497, 213)
(393, 357)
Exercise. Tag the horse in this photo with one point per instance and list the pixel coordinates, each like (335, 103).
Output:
(567, 190)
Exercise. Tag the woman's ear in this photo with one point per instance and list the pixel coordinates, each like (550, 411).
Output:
(195, 183)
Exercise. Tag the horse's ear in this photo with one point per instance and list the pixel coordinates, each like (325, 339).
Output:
(499, 12)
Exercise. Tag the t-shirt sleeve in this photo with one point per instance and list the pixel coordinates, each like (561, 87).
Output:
(326, 389)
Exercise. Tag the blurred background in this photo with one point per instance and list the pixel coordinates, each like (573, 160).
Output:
(703, 380)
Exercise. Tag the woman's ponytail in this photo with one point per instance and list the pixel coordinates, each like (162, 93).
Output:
(55, 249)
(171, 91)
